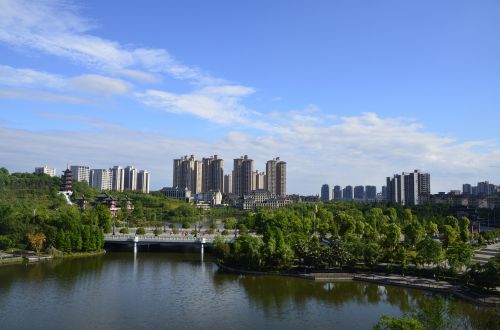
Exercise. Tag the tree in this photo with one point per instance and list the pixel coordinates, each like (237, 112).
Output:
(103, 217)
(413, 232)
(36, 241)
(464, 223)
(459, 254)
(387, 322)
(230, 223)
(429, 251)
(449, 235)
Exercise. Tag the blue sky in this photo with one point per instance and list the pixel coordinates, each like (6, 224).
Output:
(347, 92)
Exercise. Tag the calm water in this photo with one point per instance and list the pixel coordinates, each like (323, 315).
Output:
(179, 291)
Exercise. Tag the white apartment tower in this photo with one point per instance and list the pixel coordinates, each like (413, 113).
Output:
(100, 179)
(130, 178)
(50, 171)
(80, 173)
(143, 181)
(117, 178)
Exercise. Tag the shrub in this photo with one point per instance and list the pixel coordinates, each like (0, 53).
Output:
(124, 230)
(141, 231)
(157, 231)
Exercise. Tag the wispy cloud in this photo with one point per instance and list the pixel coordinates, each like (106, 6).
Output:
(366, 147)
(56, 28)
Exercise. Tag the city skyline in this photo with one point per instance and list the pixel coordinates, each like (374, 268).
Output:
(346, 96)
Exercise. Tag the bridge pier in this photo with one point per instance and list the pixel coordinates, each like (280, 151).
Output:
(136, 240)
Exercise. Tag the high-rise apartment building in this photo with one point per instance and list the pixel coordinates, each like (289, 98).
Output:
(408, 188)
(348, 193)
(130, 178)
(143, 181)
(371, 193)
(276, 177)
(325, 192)
(50, 171)
(359, 193)
(80, 173)
(117, 178)
(281, 179)
(228, 183)
(259, 180)
(100, 179)
(242, 176)
(337, 193)
(212, 174)
(187, 173)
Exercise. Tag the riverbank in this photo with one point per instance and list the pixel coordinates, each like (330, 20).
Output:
(20, 257)
(419, 283)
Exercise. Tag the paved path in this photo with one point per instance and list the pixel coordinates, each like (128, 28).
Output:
(431, 285)
(483, 255)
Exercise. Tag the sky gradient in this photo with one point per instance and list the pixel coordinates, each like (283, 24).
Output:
(346, 92)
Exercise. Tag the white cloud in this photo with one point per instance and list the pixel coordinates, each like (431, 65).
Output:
(39, 82)
(99, 84)
(357, 150)
(56, 28)
(36, 95)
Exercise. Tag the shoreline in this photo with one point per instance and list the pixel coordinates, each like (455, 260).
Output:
(32, 259)
(412, 282)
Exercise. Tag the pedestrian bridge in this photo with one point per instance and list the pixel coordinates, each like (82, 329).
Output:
(137, 240)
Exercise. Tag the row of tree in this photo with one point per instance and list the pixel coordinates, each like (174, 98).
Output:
(349, 235)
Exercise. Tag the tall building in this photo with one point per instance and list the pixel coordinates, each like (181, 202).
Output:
(117, 178)
(276, 177)
(130, 178)
(80, 173)
(384, 193)
(348, 193)
(100, 179)
(228, 183)
(408, 188)
(187, 173)
(242, 176)
(467, 189)
(50, 171)
(359, 193)
(212, 174)
(371, 193)
(325, 192)
(281, 179)
(337, 193)
(143, 181)
(259, 180)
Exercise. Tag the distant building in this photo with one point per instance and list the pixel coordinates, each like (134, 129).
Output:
(80, 173)
(143, 181)
(408, 188)
(100, 179)
(384, 193)
(259, 180)
(177, 193)
(359, 193)
(187, 173)
(348, 193)
(467, 189)
(50, 171)
(371, 193)
(242, 176)
(130, 178)
(117, 178)
(212, 174)
(325, 192)
(228, 183)
(337, 193)
(264, 199)
(276, 177)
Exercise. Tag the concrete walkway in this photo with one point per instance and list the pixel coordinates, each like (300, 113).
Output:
(483, 255)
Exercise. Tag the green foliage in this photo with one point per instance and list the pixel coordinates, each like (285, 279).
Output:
(429, 251)
(157, 231)
(140, 231)
(398, 323)
(124, 230)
